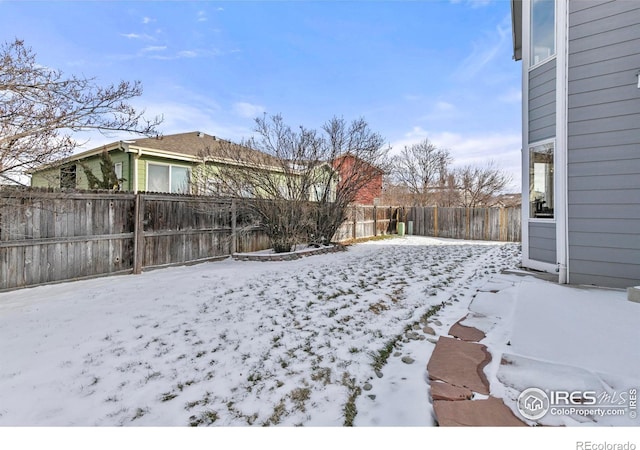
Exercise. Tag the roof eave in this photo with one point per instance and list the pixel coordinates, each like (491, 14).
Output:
(79, 156)
(516, 28)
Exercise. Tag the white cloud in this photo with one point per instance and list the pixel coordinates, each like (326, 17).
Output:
(485, 50)
(413, 97)
(146, 20)
(202, 16)
(248, 110)
(154, 48)
(136, 36)
(513, 95)
(187, 54)
(442, 106)
(180, 54)
(478, 3)
(440, 110)
(472, 3)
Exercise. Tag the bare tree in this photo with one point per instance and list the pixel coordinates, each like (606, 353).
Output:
(271, 173)
(423, 169)
(479, 186)
(449, 194)
(358, 156)
(40, 108)
(396, 194)
(297, 183)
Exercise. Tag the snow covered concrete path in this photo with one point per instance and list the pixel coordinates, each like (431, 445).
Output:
(240, 343)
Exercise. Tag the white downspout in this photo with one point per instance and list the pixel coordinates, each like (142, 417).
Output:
(135, 170)
(561, 150)
(526, 18)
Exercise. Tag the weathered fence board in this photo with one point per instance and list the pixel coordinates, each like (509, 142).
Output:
(55, 236)
(496, 224)
(181, 229)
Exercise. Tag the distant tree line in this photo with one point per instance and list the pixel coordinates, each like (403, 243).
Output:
(422, 175)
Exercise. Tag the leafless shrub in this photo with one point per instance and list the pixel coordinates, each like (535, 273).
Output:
(296, 184)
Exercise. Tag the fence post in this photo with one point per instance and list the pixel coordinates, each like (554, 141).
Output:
(435, 221)
(486, 225)
(234, 225)
(355, 221)
(375, 221)
(138, 235)
(467, 224)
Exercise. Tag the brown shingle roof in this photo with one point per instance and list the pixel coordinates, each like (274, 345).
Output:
(196, 143)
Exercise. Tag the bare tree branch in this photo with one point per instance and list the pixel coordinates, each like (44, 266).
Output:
(423, 169)
(479, 186)
(40, 108)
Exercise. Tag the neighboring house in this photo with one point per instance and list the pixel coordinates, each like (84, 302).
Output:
(580, 138)
(370, 192)
(164, 164)
(160, 164)
(508, 200)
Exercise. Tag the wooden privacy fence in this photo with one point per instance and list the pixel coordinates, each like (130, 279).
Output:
(55, 236)
(52, 236)
(366, 221)
(493, 224)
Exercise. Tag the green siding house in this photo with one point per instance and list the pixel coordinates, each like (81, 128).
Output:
(162, 164)
(184, 163)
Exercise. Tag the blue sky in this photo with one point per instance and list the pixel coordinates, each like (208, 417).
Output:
(440, 69)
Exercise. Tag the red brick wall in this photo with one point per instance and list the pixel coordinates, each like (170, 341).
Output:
(370, 191)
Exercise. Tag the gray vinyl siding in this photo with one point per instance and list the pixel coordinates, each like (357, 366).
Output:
(542, 125)
(542, 102)
(542, 242)
(604, 143)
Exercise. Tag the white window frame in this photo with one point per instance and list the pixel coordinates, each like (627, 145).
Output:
(117, 169)
(170, 165)
(560, 144)
(61, 175)
(555, 37)
(531, 146)
(527, 219)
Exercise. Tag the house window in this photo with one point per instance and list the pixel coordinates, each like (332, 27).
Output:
(541, 202)
(247, 191)
(117, 169)
(543, 30)
(318, 192)
(167, 178)
(179, 179)
(68, 177)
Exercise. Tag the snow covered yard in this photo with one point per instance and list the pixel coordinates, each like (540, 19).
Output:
(305, 342)
(327, 340)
